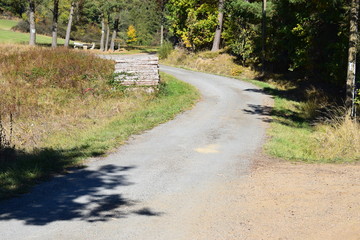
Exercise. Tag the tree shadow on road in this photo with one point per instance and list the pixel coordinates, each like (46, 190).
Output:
(270, 114)
(87, 195)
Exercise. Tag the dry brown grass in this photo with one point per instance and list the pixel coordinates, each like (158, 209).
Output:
(212, 62)
(338, 140)
(49, 90)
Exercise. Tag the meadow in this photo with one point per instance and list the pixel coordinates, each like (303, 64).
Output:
(8, 36)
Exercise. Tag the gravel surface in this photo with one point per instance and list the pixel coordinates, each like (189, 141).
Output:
(199, 177)
(167, 183)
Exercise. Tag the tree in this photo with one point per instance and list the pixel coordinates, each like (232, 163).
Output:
(107, 35)
(217, 38)
(131, 34)
(263, 35)
(55, 12)
(351, 70)
(193, 22)
(115, 31)
(161, 6)
(17, 7)
(68, 29)
(103, 30)
(32, 5)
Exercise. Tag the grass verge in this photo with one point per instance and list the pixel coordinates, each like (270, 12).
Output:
(295, 133)
(62, 115)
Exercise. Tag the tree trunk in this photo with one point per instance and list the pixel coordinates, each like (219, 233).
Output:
(263, 35)
(68, 29)
(107, 37)
(351, 71)
(102, 41)
(55, 23)
(161, 35)
(32, 41)
(217, 38)
(116, 27)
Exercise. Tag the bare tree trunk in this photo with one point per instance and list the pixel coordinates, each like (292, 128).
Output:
(68, 29)
(263, 35)
(55, 12)
(351, 71)
(32, 41)
(162, 34)
(116, 27)
(107, 37)
(217, 38)
(102, 41)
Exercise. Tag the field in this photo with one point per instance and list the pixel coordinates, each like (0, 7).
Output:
(9, 36)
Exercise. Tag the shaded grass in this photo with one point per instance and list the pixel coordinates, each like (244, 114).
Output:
(67, 149)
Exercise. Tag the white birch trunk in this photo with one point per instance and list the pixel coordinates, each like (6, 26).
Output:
(32, 40)
(55, 23)
(68, 29)
(161, 35)
(107, 37)
(351, 71)
(103, 29)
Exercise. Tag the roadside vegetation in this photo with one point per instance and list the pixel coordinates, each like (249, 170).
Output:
(306, 125)
(60, 107)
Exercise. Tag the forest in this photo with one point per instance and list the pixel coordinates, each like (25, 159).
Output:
(304, 39)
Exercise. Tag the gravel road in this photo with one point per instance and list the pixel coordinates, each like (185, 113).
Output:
(166, 183)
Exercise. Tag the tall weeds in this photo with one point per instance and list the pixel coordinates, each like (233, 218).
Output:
(40, 86)
(338, 137)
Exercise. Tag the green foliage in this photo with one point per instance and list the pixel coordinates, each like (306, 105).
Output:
(16, 7)
(193, 22)
(131, 35)
(165, 50)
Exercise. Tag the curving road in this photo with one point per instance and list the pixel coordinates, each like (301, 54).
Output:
(167, 183)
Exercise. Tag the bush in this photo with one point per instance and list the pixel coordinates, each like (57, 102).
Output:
(22, 26)
(165, 50)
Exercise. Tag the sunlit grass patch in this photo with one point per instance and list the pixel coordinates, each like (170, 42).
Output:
(73, 125)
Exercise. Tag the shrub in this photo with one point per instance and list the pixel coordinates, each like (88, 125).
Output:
(22, 26)
(165, 50)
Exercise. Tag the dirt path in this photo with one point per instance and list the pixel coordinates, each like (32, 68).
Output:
(282, 200)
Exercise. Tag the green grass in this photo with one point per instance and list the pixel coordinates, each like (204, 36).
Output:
(9, 36)
(292, 134)
(66, 150)
(7, 24)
